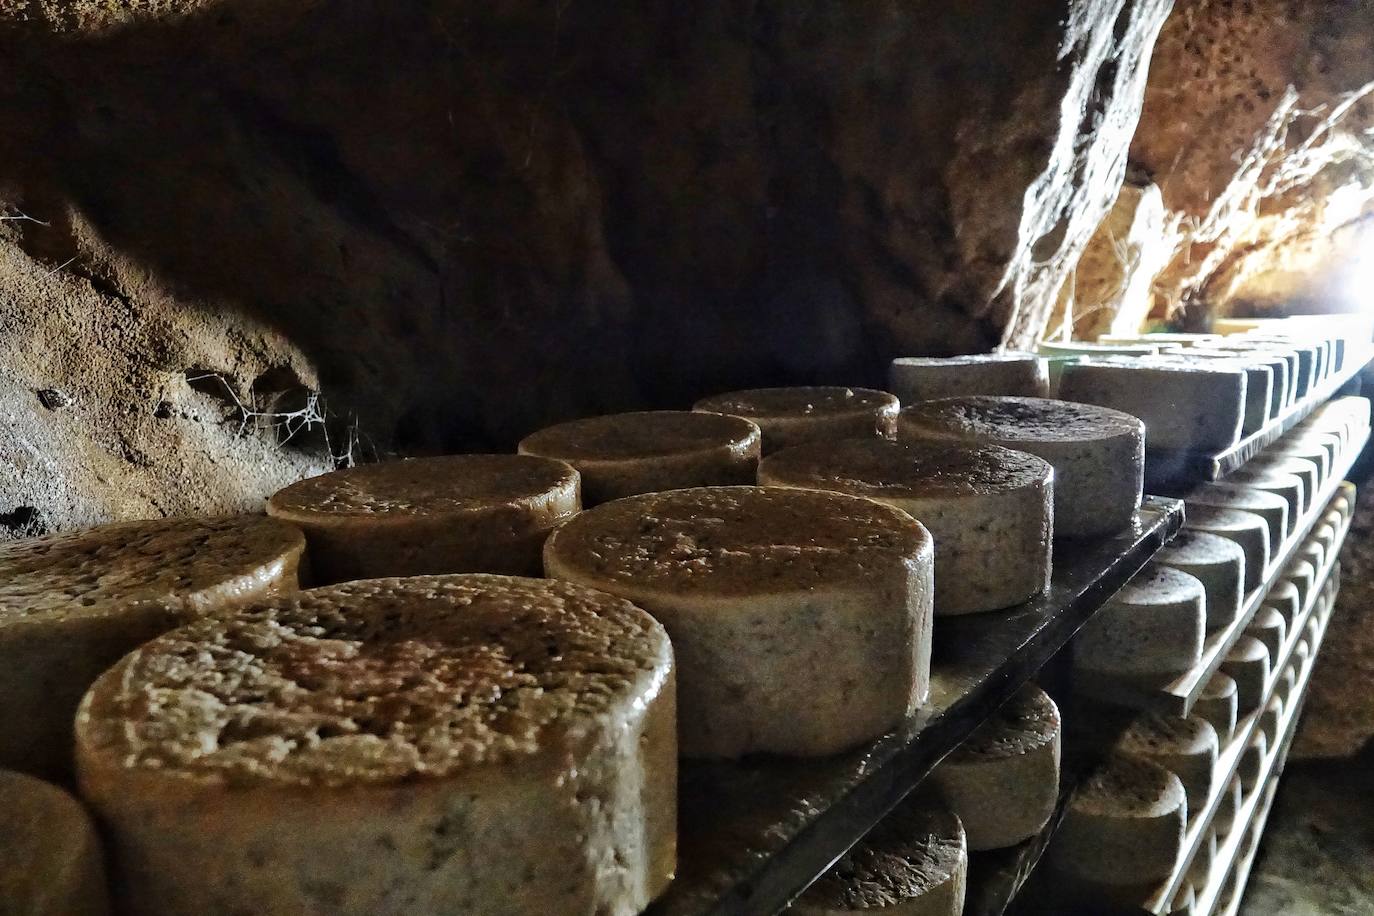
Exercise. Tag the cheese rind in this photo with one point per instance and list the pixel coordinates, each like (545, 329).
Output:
(1097, 454)
(1248, 664)
(914, 379)
(1268, 506)
(1003, 780)
(914, 863)
(1269, 628)
(1216, 562)
(624, 454)
(1287, 486)
(1217, 704)
(451, 514)
(71, 604)
(1248, 530)
(53, 863)
(1190, 405)
(988, 508)
(310, 754)
(791, 416)
(801, 619)
(1186, 747)
(1152, 626)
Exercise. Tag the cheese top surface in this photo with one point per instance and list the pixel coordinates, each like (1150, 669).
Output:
(376, 682)
(910, 852)
(1182, 363)
(1200, 547)
(451, 484)
(1127, 788)
(734, 541)
(1219, 686)
(882, 469)
(1156, 584)
(180, 561)
(1247, 649)
(1156, 734)
(1027, 721)
(782, 403)
(1012, 419)
(643, 434)
(968, 359)
(1219, 518)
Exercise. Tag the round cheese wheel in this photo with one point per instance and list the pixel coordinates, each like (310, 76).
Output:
(922, 378)
(1283, 597)
(1303, 451)
(1184, 902)
(1003, 780)
(987, 508)
(914, 862)
(459, 513)
(1301, 468)
(1303, 575)
(1313, 552)
(627, 453)
(1250, 769)
(1269, 627)
(53, 864)
(791, 416)
(1330, 442)
(1123, 826)
(1268, 506)
(1187, 747)
(800, 619)
(1287, 486)
(71, 604)
(1224, 820)
(1289, 682)
(1341, 503)
(1248, 665)
(1200, 869)
(1248, 530)
(1152, 626)
(1216, 562)
(1270, 719)
(1217, 704)
(1097, 454)
(423, 745)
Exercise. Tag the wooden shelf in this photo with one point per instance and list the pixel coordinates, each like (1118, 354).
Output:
(1166, 469)
(755, 833)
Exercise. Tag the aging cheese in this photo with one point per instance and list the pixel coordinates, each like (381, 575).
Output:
(1247, 530)
(1217, 704)
(791, 416)
(1152, 626)
(52, 864)
(459, 513)
(625, 454)
(1301, 468)
(914, 379)
(1248, 665)
(1269, 628)
(1186, 747)
(440, 744)
(800, 619)
(914, 863)
(1268, 506)
(1003, 781)
(1216, 562)
(1184, 406)
(1097, 454)
(72, 604)
(988, 508)
(1287, 486)
(1283, 597)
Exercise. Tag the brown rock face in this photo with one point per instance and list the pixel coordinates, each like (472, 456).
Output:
(460, 222)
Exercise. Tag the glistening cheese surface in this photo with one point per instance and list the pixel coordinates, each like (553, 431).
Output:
(988, 508)
(801, 619)
(791, 416)
(430, 744)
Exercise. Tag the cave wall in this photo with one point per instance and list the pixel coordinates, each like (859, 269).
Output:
(442, 224)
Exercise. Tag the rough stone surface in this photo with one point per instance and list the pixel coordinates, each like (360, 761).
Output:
(461, 222)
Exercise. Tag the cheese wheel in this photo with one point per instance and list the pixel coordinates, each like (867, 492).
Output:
(1224, 820)
(1287, 486)
(1275, 385)
(53, 864)
(1003, 780)
(1183, 405)
(1259, 382)
(918, 378)
(628, 453)
(1161, 338)
(1268, 506)
(1304, 452)
(1269, 628)
(1303, 575)
(1314, 553)
(988, 508)
(71, 604)
(459, 513)
(1248, 665)
(1217, 704)
(1307, 358)
(1123, 825)
(1283, 597)
(1269, 350)
(1325, 536)
(800, 619)
(1270, 719)
(1250, 768)
(1186, 747)
(1200, 869)
(791, 416)
(914, 863)
(1331, 443)
(439, 744)
(1301, 468)
(1218, 563)
(1248, 530)
(1097, 454)
(1184, 903)
(1082, 348)
(1153, 626)
(1289, 681)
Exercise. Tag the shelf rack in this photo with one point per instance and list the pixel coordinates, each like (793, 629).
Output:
(755, 833)
(1169, 468)
(1229, 759)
